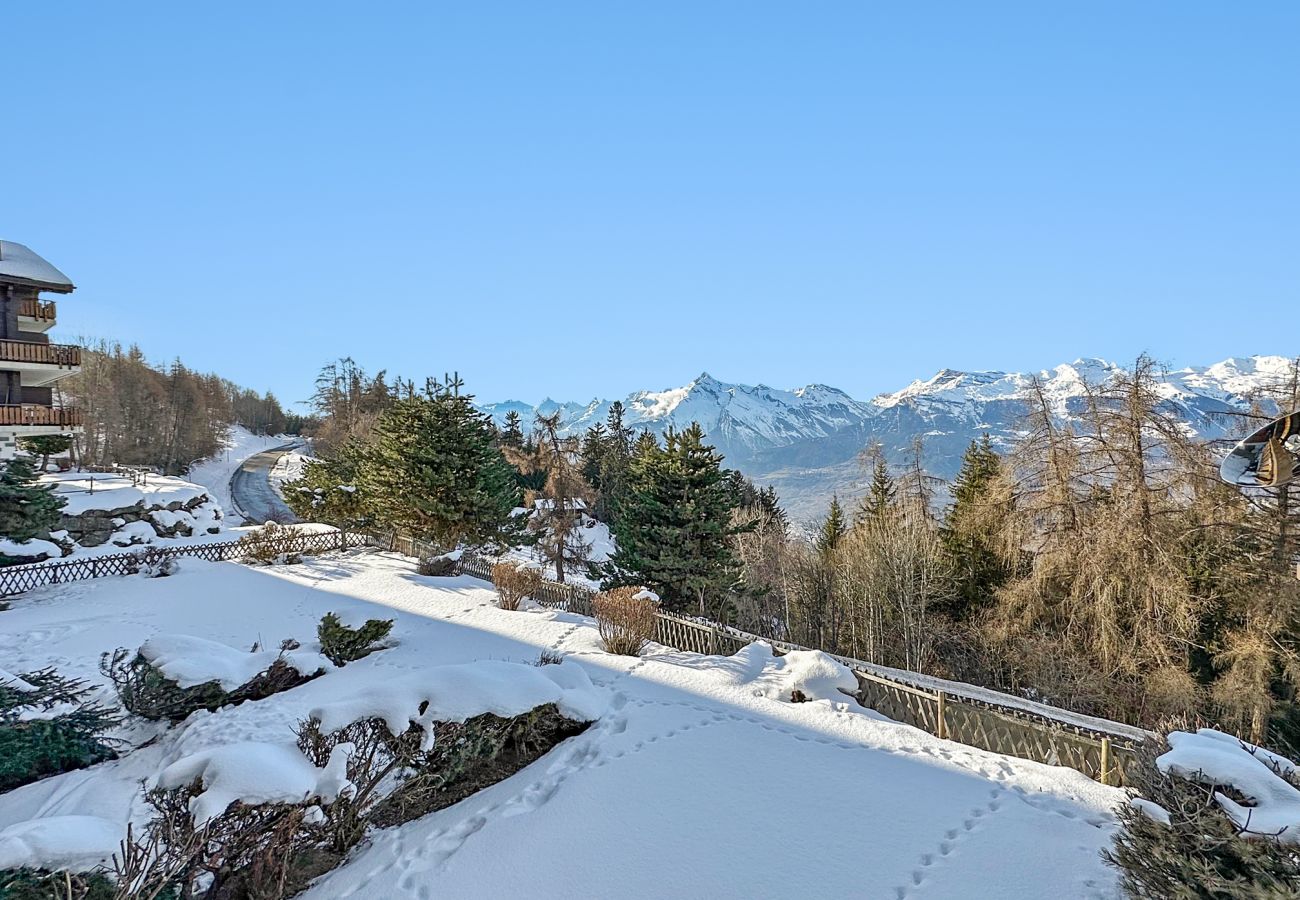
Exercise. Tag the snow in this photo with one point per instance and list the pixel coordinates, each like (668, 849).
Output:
(20, 261)
(814, 674)
(255, 772)
(191, 661)
(85, 491)
(214, 473)
(14, 683)
(460, 692)
(33, 547)
(1212, 757)
(696, 764)
(77, 843)
(1153, 811)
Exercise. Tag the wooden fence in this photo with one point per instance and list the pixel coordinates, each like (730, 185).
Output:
(16, 579)
(1001, 723)
(1106, 751)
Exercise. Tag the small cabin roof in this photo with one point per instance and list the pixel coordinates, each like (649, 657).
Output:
(19, 264)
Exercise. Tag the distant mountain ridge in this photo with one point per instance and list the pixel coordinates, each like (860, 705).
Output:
(805, 441)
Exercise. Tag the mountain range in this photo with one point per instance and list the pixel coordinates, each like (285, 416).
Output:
(806, 441)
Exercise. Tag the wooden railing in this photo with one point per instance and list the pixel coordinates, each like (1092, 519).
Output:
(980, 717)
(37, 309)
(30, 414)
(66, 355)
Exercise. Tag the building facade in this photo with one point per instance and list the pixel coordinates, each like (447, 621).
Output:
(30, 363)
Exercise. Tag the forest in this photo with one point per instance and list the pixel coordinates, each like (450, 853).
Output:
(165, 417)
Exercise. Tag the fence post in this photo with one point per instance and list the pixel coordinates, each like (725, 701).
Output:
(1105, 760)
(713, 640)
(942, 728)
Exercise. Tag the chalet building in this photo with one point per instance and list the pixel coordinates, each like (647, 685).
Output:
(29, 363)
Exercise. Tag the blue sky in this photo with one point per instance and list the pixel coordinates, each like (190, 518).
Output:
(587, 199)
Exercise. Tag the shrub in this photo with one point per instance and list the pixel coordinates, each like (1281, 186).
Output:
(626, 619)
(34, 745)
(549, 658)
(271, 545)
(42, 884)
(144, 690)
(344, 645)
(1200, 852)
(515, 582)
(152, 562)
(438, 566)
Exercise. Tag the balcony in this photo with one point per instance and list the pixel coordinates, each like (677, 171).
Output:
(39, 364)
(27, 414)
(36, 315)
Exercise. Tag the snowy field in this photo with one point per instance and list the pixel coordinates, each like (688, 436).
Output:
(697, 780)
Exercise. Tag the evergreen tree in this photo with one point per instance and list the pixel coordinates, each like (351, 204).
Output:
(614, 465)
(833, 527)
(433, 469)
(880, 492)
(45, 445)
(327, 491)
(27, 509)
(593, 454)
(513, 433)
(972, 527)
(674, 527)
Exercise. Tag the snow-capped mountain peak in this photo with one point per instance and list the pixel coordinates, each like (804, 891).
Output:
(806, 440)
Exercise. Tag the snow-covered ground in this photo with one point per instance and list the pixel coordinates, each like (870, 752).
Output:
(214, 472)
(698, 779)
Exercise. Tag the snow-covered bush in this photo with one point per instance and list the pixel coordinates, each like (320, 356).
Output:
(514, 582)
(154, 563)
(625, 617)
(171, 676)
(47, 727)
(1211, 817)
(342, 645)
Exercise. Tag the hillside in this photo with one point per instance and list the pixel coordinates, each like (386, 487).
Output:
(806, 441)
(697, 777)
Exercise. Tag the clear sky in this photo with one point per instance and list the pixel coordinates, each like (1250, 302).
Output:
(582, 200)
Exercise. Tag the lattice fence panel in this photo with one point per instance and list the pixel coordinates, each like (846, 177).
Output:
(17, 579)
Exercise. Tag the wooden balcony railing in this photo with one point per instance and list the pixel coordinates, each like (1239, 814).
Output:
(28, 414)
(67, 355)
(37, 309)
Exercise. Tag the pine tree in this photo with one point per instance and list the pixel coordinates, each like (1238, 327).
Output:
(972, 527)
(433, 469)
(880, 492)
(327, 491)
(674, 529)
(614, 465)
(833, 527)
(513, 434)
(27, 509)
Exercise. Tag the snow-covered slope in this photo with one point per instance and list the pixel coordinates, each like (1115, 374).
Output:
(806, 441)
(698, 778)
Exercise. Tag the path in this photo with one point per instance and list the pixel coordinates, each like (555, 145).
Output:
(251, 491)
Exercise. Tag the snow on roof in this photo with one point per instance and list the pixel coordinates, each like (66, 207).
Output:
(19, 261)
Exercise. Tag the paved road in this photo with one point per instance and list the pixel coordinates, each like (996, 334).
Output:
(250, 488)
